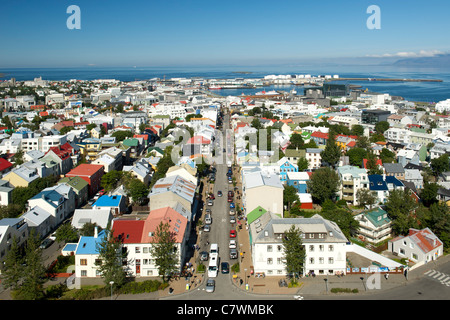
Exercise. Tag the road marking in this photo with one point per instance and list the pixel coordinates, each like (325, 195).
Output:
(442, 277)
(430, 273)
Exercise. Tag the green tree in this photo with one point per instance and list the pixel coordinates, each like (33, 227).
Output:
(332, 151)
(164, 251)
(362, 142)
(296, 141)
(290, 196)
(12, 268)
(88, 229)
(138, 191)
(256, 124)
(401, 208)
(429, 193)
(67, 233)
(111, 259)
(191, 116)
(356, 156)
(323, 184)
(111, 179)
(303, 164)
(365, 197)
(293, 251)
(440, 164)
(64, 130)
(381, 127)
(91, 126)
(357, 130)
(32, 286)
(387, 156)
(122, 135)
(343, 218)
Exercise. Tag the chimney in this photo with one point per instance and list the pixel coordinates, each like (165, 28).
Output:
(96, 232)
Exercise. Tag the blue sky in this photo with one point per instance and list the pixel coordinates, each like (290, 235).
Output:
(164, 33)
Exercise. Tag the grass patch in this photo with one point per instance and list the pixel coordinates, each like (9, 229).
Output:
(344, 290)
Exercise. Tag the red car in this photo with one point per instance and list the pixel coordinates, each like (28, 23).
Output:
(211, 196)
(232, 233)
(230, 199)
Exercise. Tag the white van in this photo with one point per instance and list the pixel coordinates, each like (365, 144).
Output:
(214, 248)
(213, 266)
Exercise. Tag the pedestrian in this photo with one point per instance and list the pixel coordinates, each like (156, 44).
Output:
(386, 276)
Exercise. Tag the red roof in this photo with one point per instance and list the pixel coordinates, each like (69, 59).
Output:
(177, 223)
(378, 162)
(5, 164)
(61, 153)
(141, 136)
(85, 169)
(425, 239)
(198, 140)
(318, 134)
(43, 113)
(351, 144)
(129, 231)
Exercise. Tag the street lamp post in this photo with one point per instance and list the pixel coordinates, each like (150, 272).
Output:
(111, 283)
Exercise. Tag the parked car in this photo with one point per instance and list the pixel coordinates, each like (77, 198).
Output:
(208, 211)
(207, 228)
(232, 206)
(53, 236)
(233, 254)
(232, 219)
(232, 244)
(225, 267)
(230, 199)
(208, 219)
(219, 193)
(46, 243)
(204, 256)
(211, 196)
(210, 285)
(232, 212)
(232, 233)
(210, 203)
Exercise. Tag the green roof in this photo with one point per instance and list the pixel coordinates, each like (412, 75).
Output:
(295, 153)
(75, 182)
(133, 142)
(376, 216)
(255, 214)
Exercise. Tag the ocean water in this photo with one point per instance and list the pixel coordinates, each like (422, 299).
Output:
(412, 91)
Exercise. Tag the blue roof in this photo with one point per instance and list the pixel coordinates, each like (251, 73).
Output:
(376, 183)
(50, 196)
(88, 245)
(394, 181)
(108, 201)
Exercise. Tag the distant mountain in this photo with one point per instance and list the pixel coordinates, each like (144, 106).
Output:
(437, 61)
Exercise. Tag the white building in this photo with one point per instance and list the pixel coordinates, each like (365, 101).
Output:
(323, 241)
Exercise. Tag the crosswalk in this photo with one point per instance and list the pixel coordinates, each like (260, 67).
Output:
(438, 276)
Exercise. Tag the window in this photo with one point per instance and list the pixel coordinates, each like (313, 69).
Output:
(279, 248)
(137, 249)
(83, 262)
(321, 260)
(311, 248)
(311, 260)
(269, 249)
(321, 248)
(330, 260)
(330, 247)
(83, 273)
(269, 260)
